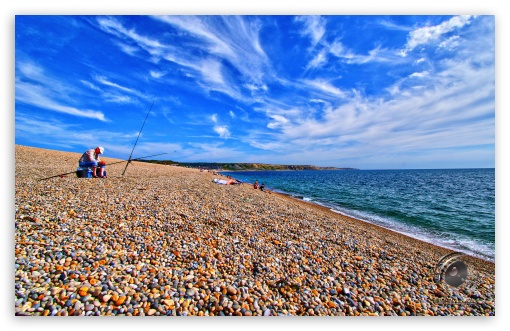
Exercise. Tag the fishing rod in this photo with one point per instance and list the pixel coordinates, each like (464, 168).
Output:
(72, 172)
(129, 160)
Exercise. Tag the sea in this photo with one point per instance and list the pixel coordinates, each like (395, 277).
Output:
(451, 208)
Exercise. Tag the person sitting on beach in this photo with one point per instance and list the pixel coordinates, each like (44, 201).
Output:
(256, 185)
(90, 159)
(262, 187)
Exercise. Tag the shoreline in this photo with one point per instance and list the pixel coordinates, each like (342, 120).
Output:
(166, 240)
(490, 264)
(368, 223)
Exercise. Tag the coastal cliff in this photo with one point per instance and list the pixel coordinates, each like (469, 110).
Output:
(244, 166)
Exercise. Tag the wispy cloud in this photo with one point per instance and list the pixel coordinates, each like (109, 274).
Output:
(313, 27)
(325, 87)
(427, 34)
(36, 95)
(228, 38)
(328, 52)
(231, 38)
(450, 43)
(445, 108)
(319, 60)
(412, 124)
(128, 49)
(35, 88)
(65, 135)
(391, 25)
(103, 80)
(114, 27)
(53, 132)
(211, 72)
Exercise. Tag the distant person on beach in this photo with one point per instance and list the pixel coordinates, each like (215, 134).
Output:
(90, 159)
(262, 187)
(256, 185)
(226, 182)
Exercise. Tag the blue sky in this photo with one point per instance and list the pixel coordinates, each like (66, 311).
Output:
(363, 91)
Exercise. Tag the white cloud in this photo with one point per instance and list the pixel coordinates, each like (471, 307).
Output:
(211, 72)
(278, 121)
(111, 25)
(269, 146)
(157, 74)
(53, 132)
(314, 27)
(428, 34)
(317, 101)
(128, 49)
(109, 96)
(450, 43)
(319, 60)
(31, 70)
(452, 107)
(116, 98)
(339, 50)
(222, 130)
(209, 69)
(103, 80)
(256, 87)
(90, 85)
(48, 92)
(376, 54)
(325, 87)
(419, 74)
(202, 29)
(112, 96)
(224, 38)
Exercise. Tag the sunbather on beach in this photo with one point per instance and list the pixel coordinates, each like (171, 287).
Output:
(226, 182)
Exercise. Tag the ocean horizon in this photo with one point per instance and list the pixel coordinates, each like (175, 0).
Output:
(450, 208)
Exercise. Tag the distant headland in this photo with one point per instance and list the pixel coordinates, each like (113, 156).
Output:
(218, 166)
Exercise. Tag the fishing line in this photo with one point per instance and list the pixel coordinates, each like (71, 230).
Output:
(139, 133)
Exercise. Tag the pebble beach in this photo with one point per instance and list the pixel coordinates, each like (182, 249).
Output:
(167, 241)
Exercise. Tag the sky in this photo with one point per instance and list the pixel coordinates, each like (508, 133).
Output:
(362, 91)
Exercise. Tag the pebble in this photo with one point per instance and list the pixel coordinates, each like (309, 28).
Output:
(166, 240)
